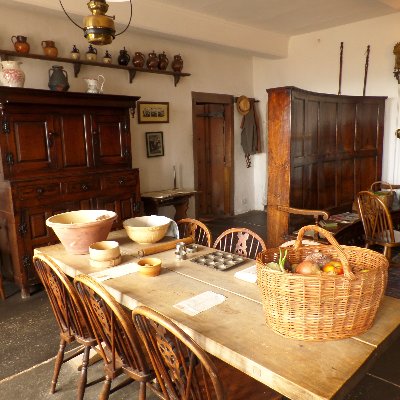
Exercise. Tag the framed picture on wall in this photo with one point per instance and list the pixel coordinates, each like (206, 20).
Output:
(154, 144)
(153, 112)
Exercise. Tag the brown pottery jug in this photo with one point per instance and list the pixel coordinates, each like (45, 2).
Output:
(49, 48)
(163, 61)
(152, 61)
(138, 60)
(20, 44)
(177, 63)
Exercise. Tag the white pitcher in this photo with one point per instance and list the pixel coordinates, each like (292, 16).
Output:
(11, 74)
(95, 85)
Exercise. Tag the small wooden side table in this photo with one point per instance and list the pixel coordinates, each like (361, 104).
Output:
(179, 198)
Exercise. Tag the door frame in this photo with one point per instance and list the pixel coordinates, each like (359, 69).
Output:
(199, 98)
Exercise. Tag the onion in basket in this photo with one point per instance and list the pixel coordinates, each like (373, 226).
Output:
(307, 267)
(319, 258)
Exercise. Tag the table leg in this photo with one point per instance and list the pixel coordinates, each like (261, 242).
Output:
(181, 208)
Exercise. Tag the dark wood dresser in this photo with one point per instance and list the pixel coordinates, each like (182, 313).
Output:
(322, 150)
(60, 152)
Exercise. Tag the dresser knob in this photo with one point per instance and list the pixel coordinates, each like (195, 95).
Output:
(85, 187)
(121, 181)
(39, 190)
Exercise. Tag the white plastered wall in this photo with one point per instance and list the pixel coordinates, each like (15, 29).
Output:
(213, 70)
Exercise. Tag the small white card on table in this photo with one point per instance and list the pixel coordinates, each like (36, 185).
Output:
(114, 272)
(201, 302)
(248, 274)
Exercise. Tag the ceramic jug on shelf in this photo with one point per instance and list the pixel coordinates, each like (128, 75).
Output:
(138, 60)
(11, 74)
(177, 63)
(152, 61)
(95, 85)
(162, 61)
(49, 48)
(91, 54)
(58, 79)
(124, 57)
(20, 44)
(75, 55)
(107, 59)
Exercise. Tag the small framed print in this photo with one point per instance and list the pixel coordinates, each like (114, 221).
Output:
(154, 144)
(152, 112)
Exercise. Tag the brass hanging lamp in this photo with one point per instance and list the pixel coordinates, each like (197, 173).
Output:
(98, 27)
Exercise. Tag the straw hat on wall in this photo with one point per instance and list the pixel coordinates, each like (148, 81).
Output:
(243, 105)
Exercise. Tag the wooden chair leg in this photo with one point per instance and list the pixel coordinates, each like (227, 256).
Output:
(57, 366)
(2, 293)
(387, 252)
(83, 378)
(105, 391)
(142, 391)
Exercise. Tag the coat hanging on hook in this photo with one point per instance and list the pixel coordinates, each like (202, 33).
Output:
(250, 136)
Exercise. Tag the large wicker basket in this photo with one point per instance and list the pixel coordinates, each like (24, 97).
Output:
(322, 307)
(387, 196)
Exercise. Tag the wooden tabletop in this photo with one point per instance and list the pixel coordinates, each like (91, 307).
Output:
(235, 331)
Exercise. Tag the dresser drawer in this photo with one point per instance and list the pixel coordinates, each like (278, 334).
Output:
(88, 184)
(119, 181)
(38, 191)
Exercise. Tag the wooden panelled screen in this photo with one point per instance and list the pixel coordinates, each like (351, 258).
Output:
(322, 150)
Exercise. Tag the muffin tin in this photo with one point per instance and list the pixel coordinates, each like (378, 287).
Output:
(219, 260)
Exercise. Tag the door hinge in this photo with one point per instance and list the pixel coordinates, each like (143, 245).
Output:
(22, 228)
(9, 159)
(6, 127)
(26, 261)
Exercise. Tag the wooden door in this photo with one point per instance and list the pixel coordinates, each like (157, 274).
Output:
(213, 154)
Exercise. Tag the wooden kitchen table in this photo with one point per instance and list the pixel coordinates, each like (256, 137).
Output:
(235, 331)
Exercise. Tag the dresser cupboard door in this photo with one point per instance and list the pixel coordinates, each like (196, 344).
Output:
(28, 148)
(111, 140)
(74, 141)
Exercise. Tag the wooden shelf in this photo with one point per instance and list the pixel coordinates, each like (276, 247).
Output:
(78, 63)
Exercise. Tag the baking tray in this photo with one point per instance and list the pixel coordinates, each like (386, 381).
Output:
(219, 260)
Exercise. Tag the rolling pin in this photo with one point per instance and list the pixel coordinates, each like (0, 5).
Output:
(158, 248)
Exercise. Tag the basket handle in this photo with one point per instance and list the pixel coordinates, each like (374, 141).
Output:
(381, 182)
(332, 241)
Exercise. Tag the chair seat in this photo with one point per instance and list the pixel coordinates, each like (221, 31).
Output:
(239, 386)
(385, 235)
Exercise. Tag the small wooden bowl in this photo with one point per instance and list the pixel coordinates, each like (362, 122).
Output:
(150, 266)
(104, 251)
